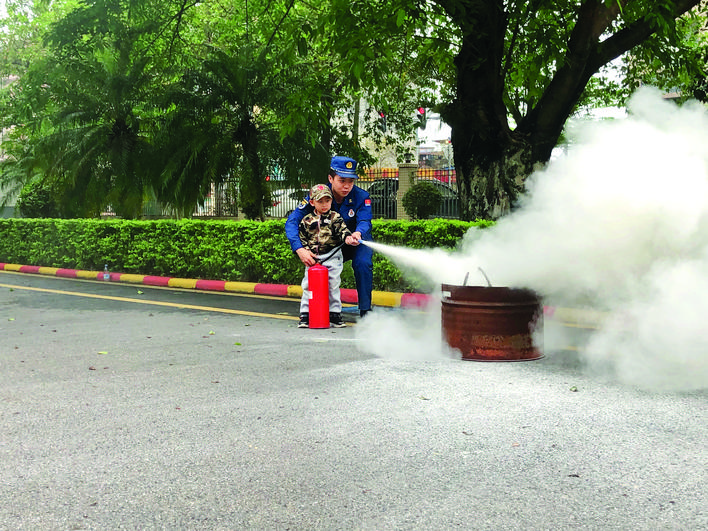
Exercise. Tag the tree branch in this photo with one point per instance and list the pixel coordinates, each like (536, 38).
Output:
(530, 8)
(282, 19)
(634, 34)
(177, 18)
(586, 55)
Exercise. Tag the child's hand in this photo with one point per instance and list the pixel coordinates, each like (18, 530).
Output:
(306, 257)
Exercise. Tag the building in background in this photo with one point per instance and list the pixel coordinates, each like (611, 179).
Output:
(434, 146)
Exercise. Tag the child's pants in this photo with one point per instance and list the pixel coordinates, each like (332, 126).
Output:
(334, 264)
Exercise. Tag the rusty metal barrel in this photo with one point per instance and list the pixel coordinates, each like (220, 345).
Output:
(491, 323)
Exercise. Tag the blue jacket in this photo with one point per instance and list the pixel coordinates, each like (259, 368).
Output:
(355, 209)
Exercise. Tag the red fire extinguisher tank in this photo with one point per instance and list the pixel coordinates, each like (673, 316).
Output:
(318, 283)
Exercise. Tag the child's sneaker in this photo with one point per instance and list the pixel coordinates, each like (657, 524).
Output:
(335, 319)
(304, 320)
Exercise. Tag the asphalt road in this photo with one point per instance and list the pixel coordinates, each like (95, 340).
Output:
(172, 409)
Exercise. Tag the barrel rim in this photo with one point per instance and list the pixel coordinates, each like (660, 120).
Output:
(489, 294)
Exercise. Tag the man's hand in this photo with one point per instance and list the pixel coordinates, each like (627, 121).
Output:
(355, 238)
(306, 257)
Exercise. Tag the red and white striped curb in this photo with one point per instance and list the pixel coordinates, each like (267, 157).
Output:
(349, 296)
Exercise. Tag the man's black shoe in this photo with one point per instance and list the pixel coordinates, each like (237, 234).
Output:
(335, 319)
(304, 320)
(362, 313)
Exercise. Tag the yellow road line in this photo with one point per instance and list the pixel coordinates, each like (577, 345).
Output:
(228, 293)
(154, 303)
(233, 289)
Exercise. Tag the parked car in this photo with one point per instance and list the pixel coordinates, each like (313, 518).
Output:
(384, 203)
(286, 200)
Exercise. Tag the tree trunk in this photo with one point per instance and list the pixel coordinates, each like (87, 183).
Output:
(489, 190)
(253, 187)
(490, 162)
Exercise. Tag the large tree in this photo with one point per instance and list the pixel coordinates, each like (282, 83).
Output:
(505, 74)
(520, 68)
(125, 99)
(80, 111)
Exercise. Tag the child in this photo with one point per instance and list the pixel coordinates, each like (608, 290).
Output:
(323, 232)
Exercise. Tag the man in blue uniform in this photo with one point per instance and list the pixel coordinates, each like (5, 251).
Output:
(354, 205)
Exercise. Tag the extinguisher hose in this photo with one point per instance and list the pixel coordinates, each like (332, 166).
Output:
(329, 255)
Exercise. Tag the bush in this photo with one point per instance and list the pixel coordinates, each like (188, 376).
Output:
(422, 200)
(247, 251)
(36, 201)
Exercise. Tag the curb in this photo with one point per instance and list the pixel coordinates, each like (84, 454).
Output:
(349, 296)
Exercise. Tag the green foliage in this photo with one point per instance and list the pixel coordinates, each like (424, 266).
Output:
(80, 110)
(675, 59)
(120, 101)
(36, 201)
(422, 200)
(512, 73)
(125, 101)
(246, 251)
(209, 132)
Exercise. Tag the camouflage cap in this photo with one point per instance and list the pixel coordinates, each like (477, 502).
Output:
(319, 191)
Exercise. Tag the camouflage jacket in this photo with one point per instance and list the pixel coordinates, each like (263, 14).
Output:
(321, 234)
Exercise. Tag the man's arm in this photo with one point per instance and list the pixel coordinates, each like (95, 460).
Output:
(292, 224)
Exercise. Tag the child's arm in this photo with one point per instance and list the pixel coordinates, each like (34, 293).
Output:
(344, 233)
(304, 253)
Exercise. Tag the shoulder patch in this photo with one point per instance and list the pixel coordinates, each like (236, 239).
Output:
(303, 204)
(367, 202)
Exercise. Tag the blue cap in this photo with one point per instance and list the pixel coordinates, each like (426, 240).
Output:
(344, 167)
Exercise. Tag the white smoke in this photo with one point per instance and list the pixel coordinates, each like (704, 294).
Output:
(414, 337)
(619, 223)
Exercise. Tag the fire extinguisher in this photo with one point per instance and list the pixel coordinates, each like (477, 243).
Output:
(318, 284)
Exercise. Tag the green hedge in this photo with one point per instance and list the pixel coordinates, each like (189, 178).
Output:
(248, 251)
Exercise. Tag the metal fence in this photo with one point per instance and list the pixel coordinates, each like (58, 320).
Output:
(220, 202)
(381, 183)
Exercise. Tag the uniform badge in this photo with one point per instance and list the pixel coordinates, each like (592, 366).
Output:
(367, 202)
(303, 204)
(351, 212)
